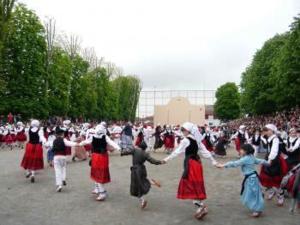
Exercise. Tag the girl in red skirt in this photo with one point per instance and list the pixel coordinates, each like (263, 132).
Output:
(191, 185)
(21, 136)
(169, 139)
(240, 137)
(100, 161)
(271, 176)
(33, 157)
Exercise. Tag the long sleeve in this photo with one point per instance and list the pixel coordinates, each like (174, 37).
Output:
(234, 164)
(112, 143)
(86, 141)
(274, 149)
(261, 162)
(205, 153)
(152, 160)
(69, 143)
(179, 150)
(125, 152)
(296, 146)
(42, 137)
(235, 135)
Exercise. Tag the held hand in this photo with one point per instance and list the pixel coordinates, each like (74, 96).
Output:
(219, 165)
(163, 162)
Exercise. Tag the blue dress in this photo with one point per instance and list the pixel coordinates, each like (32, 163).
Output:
(251, 196)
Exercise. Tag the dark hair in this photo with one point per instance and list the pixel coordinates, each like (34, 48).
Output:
(248, 149)
(143, 145)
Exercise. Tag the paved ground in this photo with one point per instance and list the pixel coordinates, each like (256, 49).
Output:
(23, 203)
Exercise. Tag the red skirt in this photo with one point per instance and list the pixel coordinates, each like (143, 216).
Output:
(208, 147)
(33, 157)
(9, 139)
(2, 138)
(192, 187)
(273, 181)
(169, 142)
(21, 137)
(99, 168)
(237, 144)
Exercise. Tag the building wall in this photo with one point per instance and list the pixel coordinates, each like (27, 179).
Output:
(178, 111)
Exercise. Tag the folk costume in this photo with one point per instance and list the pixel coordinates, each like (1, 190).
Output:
(191, 185)
(33, 157)
(100, 160)
(271, 176)
(240, 137)
(140, 185)
(59, 149)
(251, 193)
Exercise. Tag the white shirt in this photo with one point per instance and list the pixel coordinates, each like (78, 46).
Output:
(275, 147)
(108, 140)
(184, 144)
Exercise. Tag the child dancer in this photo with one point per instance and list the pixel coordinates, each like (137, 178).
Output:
(60, 161)
(169, 139)
(33, 157)
(191, 185)
(21, 136)
(241, 137)
(100, 161)
(272, 175)
(251, 193)
(140, 185)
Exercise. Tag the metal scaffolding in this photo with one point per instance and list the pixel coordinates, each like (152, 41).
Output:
(149, 98)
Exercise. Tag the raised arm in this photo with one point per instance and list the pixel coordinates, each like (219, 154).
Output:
(179, 150)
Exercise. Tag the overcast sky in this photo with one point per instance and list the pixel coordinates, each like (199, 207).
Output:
(170, 44)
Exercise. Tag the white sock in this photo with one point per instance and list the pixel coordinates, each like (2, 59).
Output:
(198, 203)
(101, 188)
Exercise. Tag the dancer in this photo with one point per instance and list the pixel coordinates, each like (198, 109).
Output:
(241, 137)
(255, 141)
(272, 175)
(169, 139)
(21, 136)
(100, 160)
(60, 161)
(293, 149)
(191, 185)
(140, 185)
(33, 157)
(251, 193)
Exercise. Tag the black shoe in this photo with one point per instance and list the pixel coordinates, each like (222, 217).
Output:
(32, 180)
(64, 183)
(28, 175)
(74, 159)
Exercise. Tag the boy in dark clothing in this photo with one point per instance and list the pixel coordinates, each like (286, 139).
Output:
(140, 185)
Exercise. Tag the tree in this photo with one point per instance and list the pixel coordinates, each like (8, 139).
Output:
(6, 8)
(59, 73)
(286, 70)
(23, 66)
(257, 85)
(227, 106)
(128, 90)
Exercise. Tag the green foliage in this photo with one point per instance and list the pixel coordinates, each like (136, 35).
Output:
(272, 81)
(23, 64)
(62, 83)
(227, 106)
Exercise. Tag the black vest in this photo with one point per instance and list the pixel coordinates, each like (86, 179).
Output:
(192, 149)
(99, 145)
(59, 147)
(293, 157)
(34, 137)
(241, 137)
(256, 142)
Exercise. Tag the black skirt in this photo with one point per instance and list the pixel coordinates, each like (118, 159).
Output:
(140, 185)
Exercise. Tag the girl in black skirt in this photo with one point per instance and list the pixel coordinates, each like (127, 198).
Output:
(140, 185)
